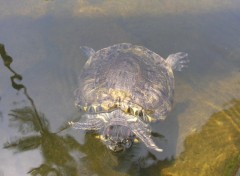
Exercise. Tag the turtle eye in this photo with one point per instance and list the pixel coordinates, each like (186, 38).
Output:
(124, 141)
(127, 143)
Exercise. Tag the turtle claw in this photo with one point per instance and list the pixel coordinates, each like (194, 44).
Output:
(158, 149)
(71, 123)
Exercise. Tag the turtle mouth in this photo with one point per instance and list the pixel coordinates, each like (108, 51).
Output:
(116, 147)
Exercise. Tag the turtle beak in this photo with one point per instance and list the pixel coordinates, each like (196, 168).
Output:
(113, 146)
(116, 147)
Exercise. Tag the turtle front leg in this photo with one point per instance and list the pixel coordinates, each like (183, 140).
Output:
(144, 135)
(90, 122)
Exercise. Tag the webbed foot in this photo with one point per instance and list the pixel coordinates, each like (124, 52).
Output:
(178, 60)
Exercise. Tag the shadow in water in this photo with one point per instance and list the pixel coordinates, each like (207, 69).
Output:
(63, 154)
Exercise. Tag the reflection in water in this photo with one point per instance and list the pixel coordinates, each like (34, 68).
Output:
(56, 150)
(153, 7)
(123, 8)
(62, 154)
(216, 149)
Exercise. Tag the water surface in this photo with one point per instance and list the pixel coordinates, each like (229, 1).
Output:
(43, 39)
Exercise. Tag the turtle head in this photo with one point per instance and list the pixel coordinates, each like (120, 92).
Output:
(117, 137)
(114, 130)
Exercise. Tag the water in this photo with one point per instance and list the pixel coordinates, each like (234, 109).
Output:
(200, 135)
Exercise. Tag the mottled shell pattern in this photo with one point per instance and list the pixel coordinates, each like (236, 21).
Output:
(127, 77)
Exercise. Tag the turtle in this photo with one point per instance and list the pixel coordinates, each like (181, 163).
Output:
(122, 89)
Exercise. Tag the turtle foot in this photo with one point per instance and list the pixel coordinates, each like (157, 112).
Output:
(178, 60)
(88, 52)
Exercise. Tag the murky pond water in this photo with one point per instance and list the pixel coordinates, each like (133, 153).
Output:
(199, 137)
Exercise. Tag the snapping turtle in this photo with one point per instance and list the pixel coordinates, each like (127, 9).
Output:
(122, 89)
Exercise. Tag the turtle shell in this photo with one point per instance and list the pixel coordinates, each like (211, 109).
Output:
(129, 77)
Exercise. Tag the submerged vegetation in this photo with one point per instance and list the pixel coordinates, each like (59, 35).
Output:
(215, 149)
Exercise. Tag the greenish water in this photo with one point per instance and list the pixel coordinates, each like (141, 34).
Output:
(200, 135)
